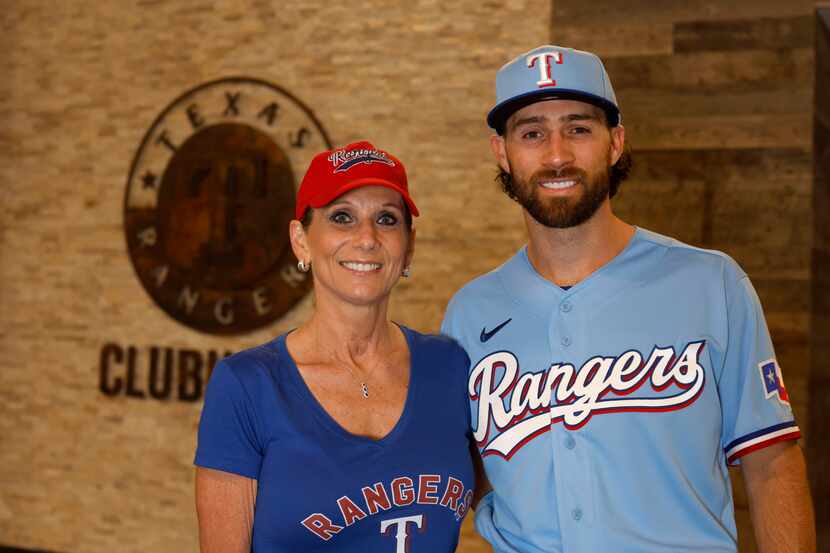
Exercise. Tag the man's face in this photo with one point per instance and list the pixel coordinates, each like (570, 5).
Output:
(559, 153)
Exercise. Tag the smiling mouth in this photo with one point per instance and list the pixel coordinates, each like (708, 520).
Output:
(360, 267)
(558, 184)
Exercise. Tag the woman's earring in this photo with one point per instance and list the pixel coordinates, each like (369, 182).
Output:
(301, 265)
(406, 272)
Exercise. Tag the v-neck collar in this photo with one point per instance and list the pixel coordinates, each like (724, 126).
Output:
(306, 396)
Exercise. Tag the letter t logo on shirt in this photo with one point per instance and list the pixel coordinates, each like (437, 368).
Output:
(402, 534)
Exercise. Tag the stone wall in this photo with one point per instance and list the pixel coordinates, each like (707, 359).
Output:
(82, 84)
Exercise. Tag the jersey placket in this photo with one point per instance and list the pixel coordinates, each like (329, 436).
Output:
(572, 463)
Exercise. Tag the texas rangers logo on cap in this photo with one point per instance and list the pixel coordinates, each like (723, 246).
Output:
(343, 160)
(543, 61)
(549, 73)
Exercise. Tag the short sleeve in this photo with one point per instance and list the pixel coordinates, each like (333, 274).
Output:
(229, 437)
(755, 402)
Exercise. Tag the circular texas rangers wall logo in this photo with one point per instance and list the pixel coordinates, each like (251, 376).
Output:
(209, 197)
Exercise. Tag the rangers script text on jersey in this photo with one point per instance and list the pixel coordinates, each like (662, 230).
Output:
(573, 396)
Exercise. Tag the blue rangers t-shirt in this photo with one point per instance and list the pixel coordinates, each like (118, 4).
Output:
(321, 488)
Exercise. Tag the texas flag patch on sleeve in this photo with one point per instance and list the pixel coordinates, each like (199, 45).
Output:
(773, 381)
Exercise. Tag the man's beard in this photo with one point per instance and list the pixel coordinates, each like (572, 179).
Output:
(561, 212)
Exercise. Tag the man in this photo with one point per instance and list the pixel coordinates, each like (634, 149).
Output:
(615, 372)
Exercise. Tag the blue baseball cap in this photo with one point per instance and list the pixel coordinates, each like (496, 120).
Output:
(552, 72)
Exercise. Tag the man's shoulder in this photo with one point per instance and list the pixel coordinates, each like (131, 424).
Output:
(490, 286)
(491, 282)
(484, 293)
(687, 257)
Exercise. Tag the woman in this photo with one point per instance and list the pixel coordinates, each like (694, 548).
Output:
(350, 433)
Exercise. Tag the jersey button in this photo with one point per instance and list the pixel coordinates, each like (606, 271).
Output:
(566, 341)
(577, 514)
(570, 443)
(566, 307)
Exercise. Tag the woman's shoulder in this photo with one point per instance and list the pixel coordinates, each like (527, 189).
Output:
(436, 345)
(255, 362)
(437, 355)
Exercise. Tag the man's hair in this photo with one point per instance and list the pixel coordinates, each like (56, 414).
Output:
(616, 174)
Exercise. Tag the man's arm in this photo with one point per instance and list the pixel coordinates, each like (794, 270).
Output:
(779, 499)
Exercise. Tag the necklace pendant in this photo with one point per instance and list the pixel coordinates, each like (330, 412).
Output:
(365, 390)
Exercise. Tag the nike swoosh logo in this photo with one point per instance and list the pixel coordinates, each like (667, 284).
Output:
(487, 335)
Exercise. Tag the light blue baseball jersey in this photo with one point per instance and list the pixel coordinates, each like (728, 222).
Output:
(606, 414)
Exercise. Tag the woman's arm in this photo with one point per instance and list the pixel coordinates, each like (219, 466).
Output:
(482, 484)
(225, 506)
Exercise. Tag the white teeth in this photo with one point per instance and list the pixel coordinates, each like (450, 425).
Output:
(362, 267)
(558, 185)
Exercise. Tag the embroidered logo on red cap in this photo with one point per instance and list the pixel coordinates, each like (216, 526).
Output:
(343, 160)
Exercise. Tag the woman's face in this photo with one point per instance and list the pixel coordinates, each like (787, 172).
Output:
(358, 245)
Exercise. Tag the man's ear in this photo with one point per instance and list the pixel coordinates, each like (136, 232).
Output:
(617, 143)
(497, 146)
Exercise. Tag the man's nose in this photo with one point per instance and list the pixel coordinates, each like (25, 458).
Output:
(559, 152)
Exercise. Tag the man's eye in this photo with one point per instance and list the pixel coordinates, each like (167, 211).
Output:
(531, 135)
(387, 219)
(340, 218)
(580, 130)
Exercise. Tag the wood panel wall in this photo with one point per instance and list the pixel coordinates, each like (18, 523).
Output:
(717, 101)
(819, 449)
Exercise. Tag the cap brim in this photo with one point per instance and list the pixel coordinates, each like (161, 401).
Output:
(499, 115)
(324, 200)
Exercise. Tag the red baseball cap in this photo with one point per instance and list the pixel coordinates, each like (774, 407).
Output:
(334, 172)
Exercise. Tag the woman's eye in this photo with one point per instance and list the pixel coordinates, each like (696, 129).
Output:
(387, 219)
(340, 218)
